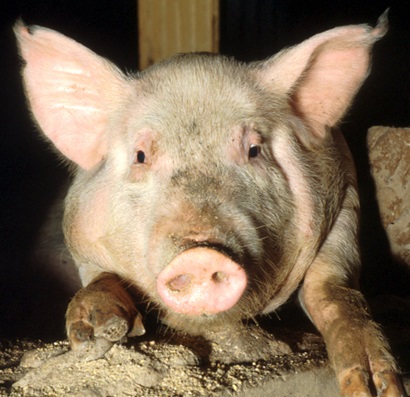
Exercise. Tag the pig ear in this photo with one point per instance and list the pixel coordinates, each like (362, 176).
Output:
(321, 75)
(71, 92)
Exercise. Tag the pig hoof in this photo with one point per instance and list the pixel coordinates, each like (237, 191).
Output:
(90, 349)
(102, 323)
(94, 335)
(113, 329)
(80, 332)
(388, 384)
(89, 343)
(99, 315)
(354, 383)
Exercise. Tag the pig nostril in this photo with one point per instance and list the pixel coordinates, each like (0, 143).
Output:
(183, 281)
(201, 281)
(219, 277)
(179, 283)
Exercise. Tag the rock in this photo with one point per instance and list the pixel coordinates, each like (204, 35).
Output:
(389, 155)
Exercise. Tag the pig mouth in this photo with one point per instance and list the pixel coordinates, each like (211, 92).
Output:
(215, 246)
(202, 280)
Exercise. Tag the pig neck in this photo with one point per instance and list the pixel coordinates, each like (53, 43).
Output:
(316, 205)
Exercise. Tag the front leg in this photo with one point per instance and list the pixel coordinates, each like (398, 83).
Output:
(99, 315)
(357, 348)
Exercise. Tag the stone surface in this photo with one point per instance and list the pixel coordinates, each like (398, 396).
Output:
(166, 367)
(389, 155)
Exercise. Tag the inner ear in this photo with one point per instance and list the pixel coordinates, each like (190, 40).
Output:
(73, 93)
(321, 75)
(326, 89)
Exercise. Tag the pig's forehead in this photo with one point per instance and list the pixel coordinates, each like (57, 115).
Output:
(202, 89)
(198, 79)
(195, 66)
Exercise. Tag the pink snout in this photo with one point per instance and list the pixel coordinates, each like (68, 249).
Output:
(201, 281)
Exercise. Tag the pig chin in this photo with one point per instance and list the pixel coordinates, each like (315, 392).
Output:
(201, 323)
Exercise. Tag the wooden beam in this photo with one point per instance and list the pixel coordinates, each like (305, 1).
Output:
(167, 27)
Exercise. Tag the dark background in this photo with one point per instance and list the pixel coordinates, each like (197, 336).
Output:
(32, 302)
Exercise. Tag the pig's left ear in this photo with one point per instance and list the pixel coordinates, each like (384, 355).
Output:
(73, 93)
(321, 75)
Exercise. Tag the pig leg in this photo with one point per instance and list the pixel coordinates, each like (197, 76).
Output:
(357, 348)
(99, 315)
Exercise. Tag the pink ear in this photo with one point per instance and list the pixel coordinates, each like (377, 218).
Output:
(72, 92)
(321, 75)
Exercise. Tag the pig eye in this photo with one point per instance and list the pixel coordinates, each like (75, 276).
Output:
(254, 151)
(139, 157)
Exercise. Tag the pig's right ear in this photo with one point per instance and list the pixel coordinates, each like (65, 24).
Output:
(72, 92)
(321, 75)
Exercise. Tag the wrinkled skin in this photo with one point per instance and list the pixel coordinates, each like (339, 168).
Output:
(212, 190)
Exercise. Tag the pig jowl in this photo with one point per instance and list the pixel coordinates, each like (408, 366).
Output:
(214, 188)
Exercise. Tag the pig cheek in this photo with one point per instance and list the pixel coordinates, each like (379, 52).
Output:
(84, 226)
(98, 232)
(304, 241)
(291, 166)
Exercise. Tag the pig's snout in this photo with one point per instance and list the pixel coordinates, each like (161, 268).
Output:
(201, 281)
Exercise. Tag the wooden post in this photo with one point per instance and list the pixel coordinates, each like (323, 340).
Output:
(167, 27)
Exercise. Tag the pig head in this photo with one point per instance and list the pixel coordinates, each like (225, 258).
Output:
(213, 188)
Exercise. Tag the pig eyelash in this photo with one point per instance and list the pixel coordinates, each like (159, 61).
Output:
(139, 157)
(254, 151)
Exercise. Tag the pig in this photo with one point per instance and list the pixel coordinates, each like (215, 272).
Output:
(212, 190)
